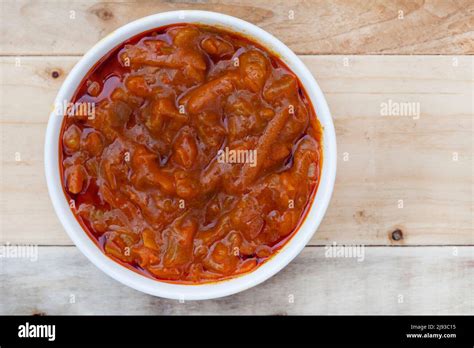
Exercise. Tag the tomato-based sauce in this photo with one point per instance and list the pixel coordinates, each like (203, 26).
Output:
(198, 157)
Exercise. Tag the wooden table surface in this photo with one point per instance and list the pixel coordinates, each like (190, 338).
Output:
(409, 174)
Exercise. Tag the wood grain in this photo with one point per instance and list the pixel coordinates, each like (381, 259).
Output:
(426, 163)
(390, 158)
(307, 27)
(405, 280)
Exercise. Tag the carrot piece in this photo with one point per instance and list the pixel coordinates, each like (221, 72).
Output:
(75, 179)
(249, 171)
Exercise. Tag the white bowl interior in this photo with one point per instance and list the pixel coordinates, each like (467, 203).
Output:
(200, 291)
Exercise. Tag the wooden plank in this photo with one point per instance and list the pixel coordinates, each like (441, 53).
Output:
(395, 159)
(389, 280)
(308, 27)
(390, 158)
(27, 93)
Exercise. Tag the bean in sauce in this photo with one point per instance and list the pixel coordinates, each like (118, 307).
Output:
(157, 176)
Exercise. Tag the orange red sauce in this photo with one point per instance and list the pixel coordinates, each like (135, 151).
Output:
(200, 158)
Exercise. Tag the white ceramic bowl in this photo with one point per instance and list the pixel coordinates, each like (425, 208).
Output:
(210, 290)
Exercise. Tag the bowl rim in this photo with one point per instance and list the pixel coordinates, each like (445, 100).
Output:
(221, 288)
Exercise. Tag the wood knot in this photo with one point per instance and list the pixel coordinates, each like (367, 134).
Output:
(55, 74)
(103, 14)
(361, 217)
(397, 235)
